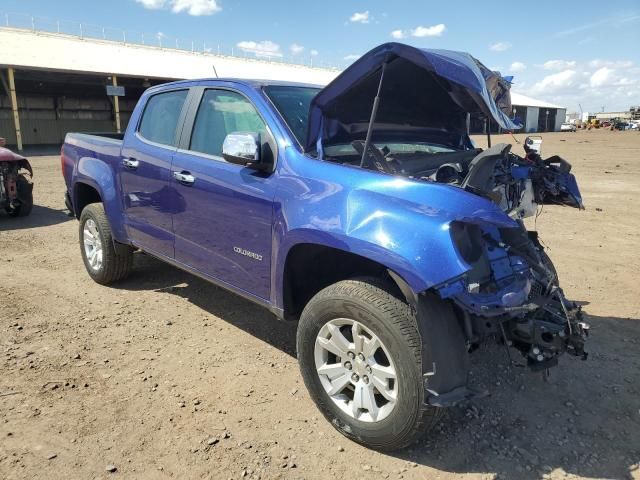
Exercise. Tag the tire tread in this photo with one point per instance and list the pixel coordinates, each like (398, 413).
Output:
(116, 265)
(377, 293)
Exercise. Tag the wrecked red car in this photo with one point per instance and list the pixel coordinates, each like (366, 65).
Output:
(16, 187)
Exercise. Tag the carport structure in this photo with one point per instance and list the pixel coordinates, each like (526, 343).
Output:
(38, 107)
(52, 83)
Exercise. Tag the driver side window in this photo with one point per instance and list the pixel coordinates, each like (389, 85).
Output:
(220, 113)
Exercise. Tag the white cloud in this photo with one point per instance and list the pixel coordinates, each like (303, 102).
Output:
(558, 64)
(599, 63)
(265, 48)
(592, 84)
(557, 82)
(360, 17)
(500, 46)
(601, 77)
(152, 4)
(314, 53)
(351, 57)
(296, 49)
(420, 32)
(195, 8)
(433, 31)
(518, 67)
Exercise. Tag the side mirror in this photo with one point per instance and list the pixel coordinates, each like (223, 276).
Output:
(242, 148)
(533, 143)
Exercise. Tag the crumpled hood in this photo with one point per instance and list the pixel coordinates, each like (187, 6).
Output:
(422, 89)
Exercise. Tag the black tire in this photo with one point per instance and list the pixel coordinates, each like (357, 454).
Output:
(116, 263)
(369, 302)
(24, 189)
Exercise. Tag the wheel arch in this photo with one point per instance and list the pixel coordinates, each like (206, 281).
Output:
(94, 181)
(309, 267)
(84, 194)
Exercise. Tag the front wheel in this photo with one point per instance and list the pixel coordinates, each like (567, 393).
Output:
(359, 351)
(103, 262)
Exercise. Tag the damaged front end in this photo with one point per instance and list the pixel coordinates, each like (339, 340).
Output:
(511, 292)
(406, 112)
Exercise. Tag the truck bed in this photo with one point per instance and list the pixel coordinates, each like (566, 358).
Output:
(80, 150)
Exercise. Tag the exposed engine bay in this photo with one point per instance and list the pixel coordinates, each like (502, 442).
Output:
(511, 291)
(517, 184)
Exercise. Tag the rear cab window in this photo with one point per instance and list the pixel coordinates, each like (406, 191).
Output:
(161, 117)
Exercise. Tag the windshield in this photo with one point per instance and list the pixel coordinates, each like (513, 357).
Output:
(293, 104)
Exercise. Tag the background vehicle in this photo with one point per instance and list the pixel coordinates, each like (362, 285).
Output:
(396, 244)
(16, 188)
(568, 127)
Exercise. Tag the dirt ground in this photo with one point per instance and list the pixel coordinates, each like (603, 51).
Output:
(166, 376)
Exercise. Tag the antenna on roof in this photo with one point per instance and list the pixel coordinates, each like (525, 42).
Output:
(214, 70)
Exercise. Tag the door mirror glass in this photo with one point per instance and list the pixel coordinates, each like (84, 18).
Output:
(242, 148)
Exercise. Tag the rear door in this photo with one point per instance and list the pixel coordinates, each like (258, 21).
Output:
(224, 229)
(145, 167)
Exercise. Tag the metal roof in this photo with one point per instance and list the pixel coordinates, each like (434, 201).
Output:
(524, 101)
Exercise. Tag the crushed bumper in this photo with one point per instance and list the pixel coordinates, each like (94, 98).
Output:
(511, 293)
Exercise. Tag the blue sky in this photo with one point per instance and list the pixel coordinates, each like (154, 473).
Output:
(566, 52)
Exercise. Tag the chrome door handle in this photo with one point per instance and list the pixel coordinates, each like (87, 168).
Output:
(131, 163)
(184, 177)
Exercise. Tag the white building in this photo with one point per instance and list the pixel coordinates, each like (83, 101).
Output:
(536, 115)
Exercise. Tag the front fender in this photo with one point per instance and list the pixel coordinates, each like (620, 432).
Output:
(400, 223)
(411, 240)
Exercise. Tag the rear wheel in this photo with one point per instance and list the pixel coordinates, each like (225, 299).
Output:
(103, 262)
(359, 351)
(24, 205)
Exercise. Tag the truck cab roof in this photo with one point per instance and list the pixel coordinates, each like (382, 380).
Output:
(253, 83)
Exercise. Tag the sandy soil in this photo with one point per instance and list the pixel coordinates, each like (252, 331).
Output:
(164, 375)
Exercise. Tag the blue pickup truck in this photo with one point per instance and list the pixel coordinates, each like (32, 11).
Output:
(361, 210)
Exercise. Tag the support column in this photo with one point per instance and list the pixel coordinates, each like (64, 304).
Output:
(14, 107)
(116, 104)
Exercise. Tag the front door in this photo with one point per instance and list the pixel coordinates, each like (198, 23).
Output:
(224, 230)
(145, 168)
